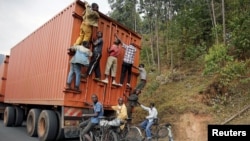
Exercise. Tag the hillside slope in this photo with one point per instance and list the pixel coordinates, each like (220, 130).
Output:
(190, 101)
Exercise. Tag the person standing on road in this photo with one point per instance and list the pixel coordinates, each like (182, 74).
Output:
(94, 120)
(149, 121)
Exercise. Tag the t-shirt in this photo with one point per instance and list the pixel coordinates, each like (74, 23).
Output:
(98, 108)
(143, 73)
(114, 50)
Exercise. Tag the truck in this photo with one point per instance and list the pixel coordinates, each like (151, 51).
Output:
(34, 74)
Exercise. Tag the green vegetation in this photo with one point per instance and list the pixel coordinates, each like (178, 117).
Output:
(197, 53)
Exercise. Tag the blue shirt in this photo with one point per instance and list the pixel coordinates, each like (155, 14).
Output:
(82, 55)
(97, 109)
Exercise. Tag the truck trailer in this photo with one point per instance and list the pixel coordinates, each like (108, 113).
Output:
(33, 76)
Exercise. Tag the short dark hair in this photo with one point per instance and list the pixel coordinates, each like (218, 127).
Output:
(85, 44)
(94, 96)
(117, 41)
(94, 5)
(142, 65)
(152, 104)
(120, 98)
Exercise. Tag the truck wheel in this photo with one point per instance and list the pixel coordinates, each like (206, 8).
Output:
(32, 120)
(60, 135)
(9, 116)
(19, 116)
(47, 125)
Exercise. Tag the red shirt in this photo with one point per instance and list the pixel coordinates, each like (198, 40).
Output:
(114, 50)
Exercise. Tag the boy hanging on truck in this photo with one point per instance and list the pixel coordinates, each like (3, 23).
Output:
(113, 51)
(143, 77)
(81, 57)
(90, 20)
(95, 60)
(128, 61)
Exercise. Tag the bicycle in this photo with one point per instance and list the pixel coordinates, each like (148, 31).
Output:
(160, 132)
(128, 133)
(101, 133)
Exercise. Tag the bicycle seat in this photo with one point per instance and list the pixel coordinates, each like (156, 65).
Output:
(155, 120)
(128, 119)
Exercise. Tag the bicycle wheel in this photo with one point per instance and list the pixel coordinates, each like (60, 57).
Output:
(154, 133)
(82, 138)
(123, 133)
(95, 135)
(110, 136)
(134, 134)
(163, 133)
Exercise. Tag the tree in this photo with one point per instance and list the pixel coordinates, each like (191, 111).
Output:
(124, 11)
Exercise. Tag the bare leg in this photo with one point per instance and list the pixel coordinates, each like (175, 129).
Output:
(87, 137)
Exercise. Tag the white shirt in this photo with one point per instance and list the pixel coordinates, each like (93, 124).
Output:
(143, 73)
(152, 113)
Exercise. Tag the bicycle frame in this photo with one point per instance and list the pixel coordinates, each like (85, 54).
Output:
(160, 131)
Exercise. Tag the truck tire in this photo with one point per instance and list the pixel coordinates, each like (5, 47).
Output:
(1, 116)
(60, 135)
(9, 116)
(47, 125)
(32, 120)
(19, 116)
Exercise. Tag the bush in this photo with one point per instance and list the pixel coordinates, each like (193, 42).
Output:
(232, 71)
(216, 59)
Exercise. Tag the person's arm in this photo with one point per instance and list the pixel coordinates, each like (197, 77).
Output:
(151, 115)
(73, 48)
(118, 38)
(97, 110)
(90, 115)
(144, 107)
(87, 6)
(97, 41)
(114, 107)
(124, 45)
(136, 67)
